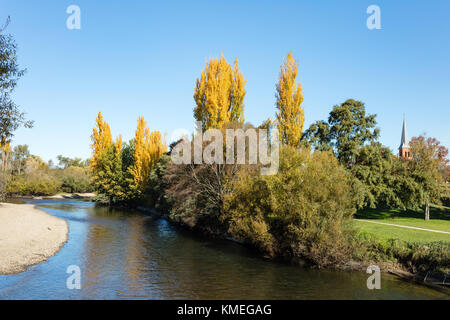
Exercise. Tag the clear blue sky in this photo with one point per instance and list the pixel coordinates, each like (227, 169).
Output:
(142, 57)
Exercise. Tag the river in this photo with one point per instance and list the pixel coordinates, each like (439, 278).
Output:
(130, 255)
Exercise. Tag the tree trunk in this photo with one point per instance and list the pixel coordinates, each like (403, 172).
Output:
(427, 211)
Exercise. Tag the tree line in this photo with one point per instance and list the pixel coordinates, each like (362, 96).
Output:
(28, 175)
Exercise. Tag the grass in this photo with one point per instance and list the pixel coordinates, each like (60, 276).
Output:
(440, 221)
(391, 232)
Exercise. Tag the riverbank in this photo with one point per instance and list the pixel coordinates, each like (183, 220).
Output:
(420, 263)
(28, 236)
(59, 196)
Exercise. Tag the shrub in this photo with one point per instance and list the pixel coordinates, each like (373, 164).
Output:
(36, 183)
(302, 211)
(46, 182)
(195, 194)
(76, 180)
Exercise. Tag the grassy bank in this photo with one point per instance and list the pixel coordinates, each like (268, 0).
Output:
(375, 222)
(417, 251)
(392, 232)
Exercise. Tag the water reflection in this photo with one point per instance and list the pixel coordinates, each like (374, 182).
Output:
(128, 255)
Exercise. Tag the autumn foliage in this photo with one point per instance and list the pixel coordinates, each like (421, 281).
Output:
(148, 148)
(101, 139)
(290, 116)
(121, 172)
(219, 94)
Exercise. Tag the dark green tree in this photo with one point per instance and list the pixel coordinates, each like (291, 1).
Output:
(318, 136)
(384, 179)
(347, 130)
(11, 118)
(108, 179)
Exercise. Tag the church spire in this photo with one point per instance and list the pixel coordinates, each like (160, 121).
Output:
(404, 143)
(404, 149)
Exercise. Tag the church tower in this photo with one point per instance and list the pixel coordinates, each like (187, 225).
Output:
(404, 149)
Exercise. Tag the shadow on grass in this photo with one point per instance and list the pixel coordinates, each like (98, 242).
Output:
(441, 213)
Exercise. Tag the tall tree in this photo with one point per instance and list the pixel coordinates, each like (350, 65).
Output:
(101, 140)
(219, 94)
(20, 156)
(11, 118)
(348, 129)
(428, 167)
(148, 148)
(290, 116)
(109, 176)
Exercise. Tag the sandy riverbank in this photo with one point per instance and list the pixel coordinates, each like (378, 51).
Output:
(60, 196)
(28, 236)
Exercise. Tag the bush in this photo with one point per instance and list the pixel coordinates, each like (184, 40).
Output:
(47, 182)
(195, 195)
(302, 211)
(76, 180)
(36, 183)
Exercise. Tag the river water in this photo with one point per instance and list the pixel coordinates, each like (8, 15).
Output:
(129, 255)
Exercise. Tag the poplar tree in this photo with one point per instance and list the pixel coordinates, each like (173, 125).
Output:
(219, 94)
(106, 163)
(148, 148)
(101, 140)
(109, 176)
(140, 169)
(290, 116)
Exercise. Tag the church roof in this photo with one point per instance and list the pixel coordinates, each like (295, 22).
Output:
(404, 143)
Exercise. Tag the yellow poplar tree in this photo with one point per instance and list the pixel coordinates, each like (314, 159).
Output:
(219, 94)
(118, 146)
(139, 170)
(148, 148)
(290, 116)
(101, 139)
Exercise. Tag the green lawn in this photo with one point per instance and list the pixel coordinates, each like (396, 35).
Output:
(440, 221)
(391, 232)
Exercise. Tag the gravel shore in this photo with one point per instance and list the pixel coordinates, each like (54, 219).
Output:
(28, 236)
